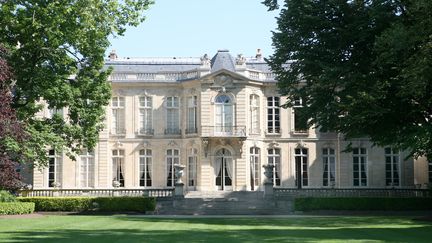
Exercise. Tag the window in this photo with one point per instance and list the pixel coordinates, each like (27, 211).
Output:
(430, 170)
(274, 159)
(392, 175)
(118, 166)
(224, 114)
(118, 115)
(255, 168)
(145, 167)
(273, 115)
(301, 163)
(359, 167)
(192, 167)
(173, 116)
(300, 119)
(172, 158)
(87, 169)
(329, 163)
(145, 115)
(255, 116)
(53, 112)
(192, 115)
(54, 169)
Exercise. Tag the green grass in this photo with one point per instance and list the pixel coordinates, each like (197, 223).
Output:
(122, 228)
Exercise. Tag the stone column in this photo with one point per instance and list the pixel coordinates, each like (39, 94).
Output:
(179, 185)
(268, 183)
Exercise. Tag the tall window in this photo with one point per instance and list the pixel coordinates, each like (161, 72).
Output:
(300, 119)
(273, 115)
(192, 115)
(54, 168)
(254, 168)
(173, 115)
(87, 169)
(118, 115)
(145, 167)
(172, 158)
(274, 159)
(329, 163)
(359, 167)
(392, 167)
(301, 162)
(192, 167)
(55, 112)
(145, 115)
(118, 166)
(224, 114)
(255, 116)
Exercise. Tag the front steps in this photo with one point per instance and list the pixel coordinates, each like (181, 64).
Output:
(224, 203)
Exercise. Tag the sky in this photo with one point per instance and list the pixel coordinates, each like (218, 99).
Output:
(192, 28)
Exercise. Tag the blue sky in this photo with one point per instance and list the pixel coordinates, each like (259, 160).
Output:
(191, 28)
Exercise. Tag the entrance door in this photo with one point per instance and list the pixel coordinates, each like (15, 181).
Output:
(223, 168)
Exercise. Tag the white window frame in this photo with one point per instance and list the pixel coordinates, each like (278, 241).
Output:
(145, 108)
(118, 159)
(118, 114)
(274, 158)
(304, 165)
(224, 110)
(55, 160)
(145, 161)
(274, 107)
(172, 158)
(360, 155)
(297, 103)
(172, 105)
(329, 158)
(87, 160)
(392, 158)
(192, 171)
(192, 115)
(255, 162)
(254, 114)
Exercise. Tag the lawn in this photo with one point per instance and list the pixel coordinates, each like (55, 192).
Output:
(121, 228)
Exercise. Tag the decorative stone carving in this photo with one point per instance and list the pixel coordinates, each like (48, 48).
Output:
(273, 144)
(300, 144)
(179, 172)
(145, 144)
(240, 60)
(223, 81)
(172, 143)
(205, 144)
(205, 60)
(118, 144)
(268, 172)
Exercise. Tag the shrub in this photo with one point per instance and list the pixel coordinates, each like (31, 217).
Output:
(6, 196)
(68, 204)
(79, 204)
(362, 203)
(16, 207)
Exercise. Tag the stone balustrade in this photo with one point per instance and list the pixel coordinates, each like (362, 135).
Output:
(353, 192)
(152, 192)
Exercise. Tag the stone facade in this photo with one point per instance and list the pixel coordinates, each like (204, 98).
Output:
(220, 118)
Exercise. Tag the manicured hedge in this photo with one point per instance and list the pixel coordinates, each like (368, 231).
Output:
(362, 203)
(16, 207)
(6, 196)
(79, 204)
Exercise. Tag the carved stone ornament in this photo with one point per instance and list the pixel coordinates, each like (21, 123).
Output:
(192, 91)
(205, 144)
(118, 144)
(172, 143)
(223, 81)
(268, 172)
(240, 60)
(300, 144)
(273, 145)
(179, 172)
(205, 60)
(145, 144)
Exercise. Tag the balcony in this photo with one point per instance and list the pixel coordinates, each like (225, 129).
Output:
(146, 132)
(118, 132)
(223, 131)
(172, 131)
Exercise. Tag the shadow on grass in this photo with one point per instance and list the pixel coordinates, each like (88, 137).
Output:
(236, 230)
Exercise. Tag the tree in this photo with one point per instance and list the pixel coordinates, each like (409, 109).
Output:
(364, 67)
(12, 133)
(57, 54)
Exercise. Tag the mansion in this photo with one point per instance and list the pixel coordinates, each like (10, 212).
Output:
(220, 117)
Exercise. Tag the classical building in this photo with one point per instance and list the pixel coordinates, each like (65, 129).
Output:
(221, 117)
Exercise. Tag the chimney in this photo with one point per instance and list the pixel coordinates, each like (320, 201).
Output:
(112, 55)
(258, 54)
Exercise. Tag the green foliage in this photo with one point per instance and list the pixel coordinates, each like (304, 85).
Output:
(365, 67)
(79, 204)
(363, 203)
(6, 196)
(57, 55)
(9, 208)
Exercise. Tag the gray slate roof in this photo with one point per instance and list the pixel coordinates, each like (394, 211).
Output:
(222, 60)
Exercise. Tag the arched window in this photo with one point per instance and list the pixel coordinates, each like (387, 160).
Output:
(224, 114)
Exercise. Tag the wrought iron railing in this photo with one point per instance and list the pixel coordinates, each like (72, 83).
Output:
(146, 131)
(223, 131)
(151, 192)
(172, 131)
(350, 192)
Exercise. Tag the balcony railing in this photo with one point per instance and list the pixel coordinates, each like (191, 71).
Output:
(273, 131)
(146, 132)
(118, 132)
(351, 192)
(191, 130)
(223, 131)
(172, 131)
(151, 192)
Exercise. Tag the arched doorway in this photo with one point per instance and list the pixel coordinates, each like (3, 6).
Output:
(223, 170)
